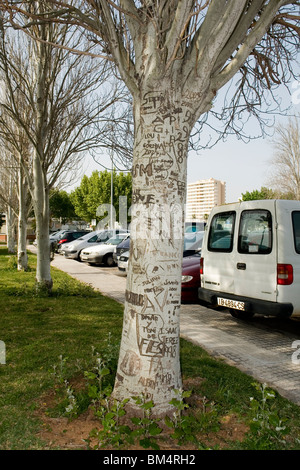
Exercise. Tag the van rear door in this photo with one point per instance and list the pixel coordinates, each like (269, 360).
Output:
(255, 254)
(240, 251)
(217, 250)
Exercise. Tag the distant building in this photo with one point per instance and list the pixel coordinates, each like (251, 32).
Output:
(202, 196)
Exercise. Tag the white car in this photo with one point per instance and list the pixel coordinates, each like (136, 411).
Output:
(73, 250)
(123, 262)
(102, 253)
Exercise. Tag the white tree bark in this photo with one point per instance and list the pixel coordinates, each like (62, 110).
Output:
(149, 357)
(22, 223)
(41, 211)
(10, 230)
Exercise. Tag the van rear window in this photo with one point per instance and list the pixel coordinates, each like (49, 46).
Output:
(220, 236)
(255, 232)
(296, 230)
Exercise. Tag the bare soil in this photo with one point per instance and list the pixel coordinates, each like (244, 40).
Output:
(64, 434)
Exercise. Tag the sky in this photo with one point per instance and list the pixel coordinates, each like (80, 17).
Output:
(242, 166)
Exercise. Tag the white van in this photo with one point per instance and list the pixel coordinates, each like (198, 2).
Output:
(250, 259)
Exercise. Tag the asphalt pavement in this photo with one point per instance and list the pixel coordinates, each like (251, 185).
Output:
(269, 356)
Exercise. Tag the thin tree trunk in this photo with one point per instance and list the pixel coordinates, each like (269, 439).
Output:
(40, 185)
(149, 354)
(22, 224)
(10, 230)
(41, 210)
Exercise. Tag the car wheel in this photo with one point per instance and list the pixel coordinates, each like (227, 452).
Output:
(241, 315)
(78, 257)
(109, 261)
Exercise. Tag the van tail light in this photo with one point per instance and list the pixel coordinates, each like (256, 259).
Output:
(285, 274)
(201, 266)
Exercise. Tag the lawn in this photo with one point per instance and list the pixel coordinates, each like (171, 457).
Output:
(49, 387)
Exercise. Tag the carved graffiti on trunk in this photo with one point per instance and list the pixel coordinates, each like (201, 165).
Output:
(149, 357)
(154, 338)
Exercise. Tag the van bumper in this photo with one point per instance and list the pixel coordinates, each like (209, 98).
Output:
(261, 307)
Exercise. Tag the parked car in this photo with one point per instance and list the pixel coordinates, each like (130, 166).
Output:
(121, 248)
(123, 262)
(194, 226)
(192, 243)
(67, 237)
(190, 275)
(74, 249)
(190, 281)
(53, 237)
(102, 253)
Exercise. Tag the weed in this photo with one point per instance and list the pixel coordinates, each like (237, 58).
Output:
(12, 263)
(267, 428)
(112, 432)
(147, 427)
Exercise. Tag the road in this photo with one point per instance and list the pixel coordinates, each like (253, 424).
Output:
(264, 349)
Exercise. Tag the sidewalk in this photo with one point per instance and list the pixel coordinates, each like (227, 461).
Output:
(266, 355)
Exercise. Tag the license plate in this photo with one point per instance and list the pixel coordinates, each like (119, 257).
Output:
(228, 303)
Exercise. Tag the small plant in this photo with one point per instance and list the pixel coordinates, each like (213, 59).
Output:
(112, 432)
(148, 427)
(59, 370)
(267, 429)
(96, 389)
(12, 263)
(183, 424)
(69, 403)
(71, 410)
(111, 352)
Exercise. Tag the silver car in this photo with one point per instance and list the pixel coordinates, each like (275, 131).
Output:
(102, 253)
(73, 250)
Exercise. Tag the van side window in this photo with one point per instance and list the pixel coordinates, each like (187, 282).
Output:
(221, 231)
(255, 232)
(296, 229)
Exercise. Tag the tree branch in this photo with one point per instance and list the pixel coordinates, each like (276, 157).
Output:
(255, 35)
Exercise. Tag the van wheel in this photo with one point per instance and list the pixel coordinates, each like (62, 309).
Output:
(240, 314)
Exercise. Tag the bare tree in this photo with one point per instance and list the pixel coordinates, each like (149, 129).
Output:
(285, 164)
(174, 56)
(9, 196)
(15, 143)
(57, 113)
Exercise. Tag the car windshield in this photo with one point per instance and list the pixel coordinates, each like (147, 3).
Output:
(125, 243)
(86, 236)
(114, 241)
(193, 241)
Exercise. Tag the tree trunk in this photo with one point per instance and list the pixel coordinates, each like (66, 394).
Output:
(41, 210)
(149, 354)
(10, 230)
(22, 224)
(40, 186)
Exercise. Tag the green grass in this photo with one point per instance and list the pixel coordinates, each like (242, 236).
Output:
(37, 330)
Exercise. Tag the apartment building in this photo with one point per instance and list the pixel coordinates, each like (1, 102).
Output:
(202, 196)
